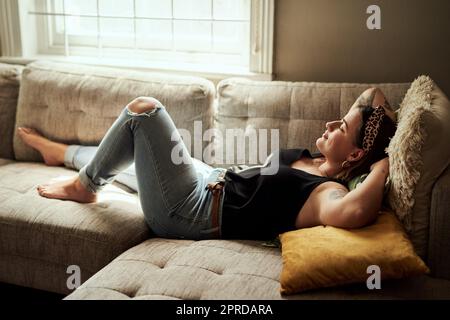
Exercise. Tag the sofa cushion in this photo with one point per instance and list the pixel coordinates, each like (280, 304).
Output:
(9, 92)
(76, 104)
(419, 153)
(299, 110)
(40, 238)
(224, 270)
(183, 269)
(327, 256)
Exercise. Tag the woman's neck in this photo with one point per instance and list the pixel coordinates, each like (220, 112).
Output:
(328, 169)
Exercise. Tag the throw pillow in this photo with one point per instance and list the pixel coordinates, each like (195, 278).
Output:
(418, 154)
(356, 181)
(327, 256)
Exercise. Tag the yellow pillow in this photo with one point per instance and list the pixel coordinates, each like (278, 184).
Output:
(327, 256)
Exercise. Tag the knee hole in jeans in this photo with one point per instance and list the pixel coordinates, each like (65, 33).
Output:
(143, 105)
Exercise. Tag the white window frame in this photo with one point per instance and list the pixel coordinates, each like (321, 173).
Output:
(17, 47)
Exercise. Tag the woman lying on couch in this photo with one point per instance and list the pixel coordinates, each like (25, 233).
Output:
(193, 200)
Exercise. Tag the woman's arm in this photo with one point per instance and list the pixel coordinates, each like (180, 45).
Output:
(355, 209)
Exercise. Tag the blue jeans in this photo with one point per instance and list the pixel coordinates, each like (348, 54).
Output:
(137, 151)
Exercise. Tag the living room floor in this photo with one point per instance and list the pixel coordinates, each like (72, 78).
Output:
(12, 293)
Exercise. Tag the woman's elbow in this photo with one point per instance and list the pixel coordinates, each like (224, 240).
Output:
(348, 219)
(364, 218)
(355, 219)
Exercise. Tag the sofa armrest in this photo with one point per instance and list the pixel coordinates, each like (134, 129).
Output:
(9, 91)
(439, 241)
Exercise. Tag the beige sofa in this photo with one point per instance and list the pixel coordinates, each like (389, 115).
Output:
(109, 240)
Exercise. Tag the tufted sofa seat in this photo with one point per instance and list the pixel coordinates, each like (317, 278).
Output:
(192, 270)
(223, 270)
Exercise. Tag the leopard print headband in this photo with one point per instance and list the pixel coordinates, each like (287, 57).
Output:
(372, 127)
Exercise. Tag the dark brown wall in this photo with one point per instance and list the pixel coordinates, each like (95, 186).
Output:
(328, 41)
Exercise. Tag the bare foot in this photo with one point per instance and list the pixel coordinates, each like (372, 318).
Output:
(67, 190)
(52, 152)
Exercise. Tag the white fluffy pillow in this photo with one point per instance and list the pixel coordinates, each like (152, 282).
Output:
(418, 154)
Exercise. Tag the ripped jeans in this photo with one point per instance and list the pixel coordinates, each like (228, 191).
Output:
(137, 151)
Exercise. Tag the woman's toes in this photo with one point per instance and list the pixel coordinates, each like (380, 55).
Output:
(24, 130)
(29, 130)
(42, 188)
(44, 192)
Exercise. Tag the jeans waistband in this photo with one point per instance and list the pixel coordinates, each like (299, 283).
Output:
(216, 187)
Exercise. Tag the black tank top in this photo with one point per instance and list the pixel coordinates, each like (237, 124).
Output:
(260, 207)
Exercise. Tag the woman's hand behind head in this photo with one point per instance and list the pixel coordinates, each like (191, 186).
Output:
(382, 166)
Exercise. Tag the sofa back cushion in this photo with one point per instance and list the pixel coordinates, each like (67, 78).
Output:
(77, 104)
(299, 110)
(9, 92)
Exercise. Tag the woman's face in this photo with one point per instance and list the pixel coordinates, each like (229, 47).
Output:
(338, 143)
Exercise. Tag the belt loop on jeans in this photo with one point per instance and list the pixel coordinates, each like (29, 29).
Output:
(216, 189)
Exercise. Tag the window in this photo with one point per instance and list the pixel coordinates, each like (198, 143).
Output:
(206, 36)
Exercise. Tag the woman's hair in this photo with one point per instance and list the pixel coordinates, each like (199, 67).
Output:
(376, 152)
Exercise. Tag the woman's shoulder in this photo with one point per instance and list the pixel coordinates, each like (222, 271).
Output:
(288, 156)
(327, 190)
(334, 184)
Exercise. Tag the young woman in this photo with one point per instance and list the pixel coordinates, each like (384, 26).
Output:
(195, 201)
